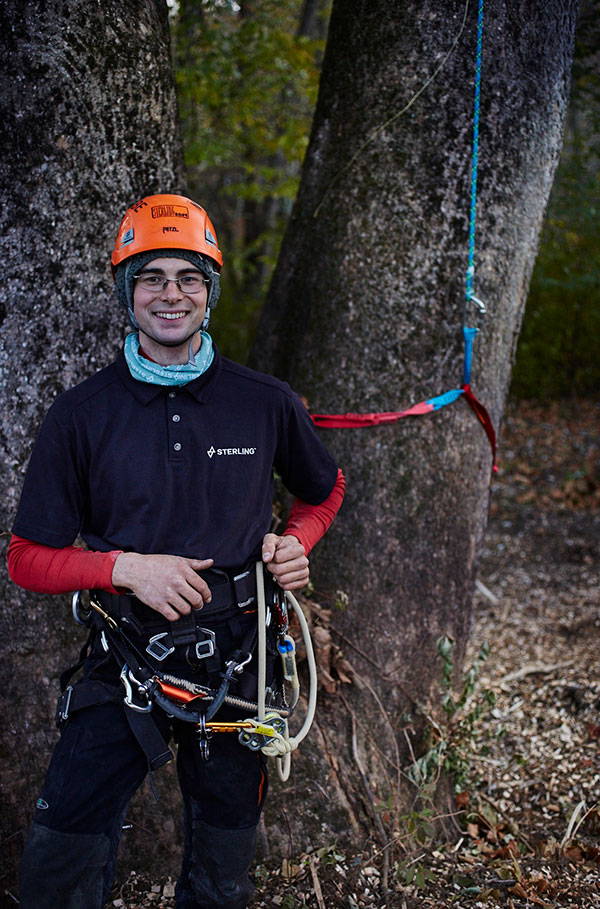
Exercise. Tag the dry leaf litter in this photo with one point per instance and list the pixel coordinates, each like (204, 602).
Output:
(526, 832)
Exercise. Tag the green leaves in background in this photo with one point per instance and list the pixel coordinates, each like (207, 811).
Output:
(559, 348)
(247, 81)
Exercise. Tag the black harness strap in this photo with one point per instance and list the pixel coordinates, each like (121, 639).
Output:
(150, 738)
(68, 673)
(155, 640)
(86, 693)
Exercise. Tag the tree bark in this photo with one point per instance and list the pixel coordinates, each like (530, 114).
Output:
(89, 124)
(365, 313)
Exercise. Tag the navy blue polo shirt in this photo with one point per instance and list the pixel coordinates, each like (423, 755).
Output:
(184, 471)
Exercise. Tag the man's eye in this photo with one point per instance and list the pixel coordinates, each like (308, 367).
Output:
(191, 282)
(152, 280)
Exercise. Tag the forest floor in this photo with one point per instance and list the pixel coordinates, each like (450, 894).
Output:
(526, 831)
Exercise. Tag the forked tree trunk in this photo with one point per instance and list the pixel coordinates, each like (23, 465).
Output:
(88, 124)
(365, 314)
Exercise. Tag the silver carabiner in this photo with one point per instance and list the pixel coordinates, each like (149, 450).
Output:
(82, 612)
(127, 678)
(239, 667)
(479, 303)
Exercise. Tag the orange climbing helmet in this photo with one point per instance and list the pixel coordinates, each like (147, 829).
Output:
(165, 225)
(165, 221)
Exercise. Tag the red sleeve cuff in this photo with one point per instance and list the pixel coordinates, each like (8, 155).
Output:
(44, 569)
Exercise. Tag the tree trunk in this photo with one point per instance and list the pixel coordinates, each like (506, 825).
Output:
(365, 313)
(88, 114)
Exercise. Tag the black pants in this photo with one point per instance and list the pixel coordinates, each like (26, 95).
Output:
(97, 766)
(95, 769)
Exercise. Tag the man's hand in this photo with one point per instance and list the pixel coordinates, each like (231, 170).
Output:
(285, 559)
(168, 584)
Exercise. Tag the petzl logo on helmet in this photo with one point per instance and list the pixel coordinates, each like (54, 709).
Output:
(170, 211)
(209, 237)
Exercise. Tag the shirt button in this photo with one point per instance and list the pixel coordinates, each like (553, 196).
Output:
(176, 418)
(177, 446)
(172, 394)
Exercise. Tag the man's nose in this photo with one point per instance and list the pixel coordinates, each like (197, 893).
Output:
(172, 291)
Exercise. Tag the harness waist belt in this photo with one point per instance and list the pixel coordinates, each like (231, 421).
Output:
(233, 592)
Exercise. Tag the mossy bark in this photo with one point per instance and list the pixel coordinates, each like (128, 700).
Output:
(365, 314)
(89, 124)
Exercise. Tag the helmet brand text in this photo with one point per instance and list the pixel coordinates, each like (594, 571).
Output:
(170, 211)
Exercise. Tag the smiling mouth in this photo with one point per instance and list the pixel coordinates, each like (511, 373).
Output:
(170, 316)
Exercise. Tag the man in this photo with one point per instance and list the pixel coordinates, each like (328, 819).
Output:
(163, 463)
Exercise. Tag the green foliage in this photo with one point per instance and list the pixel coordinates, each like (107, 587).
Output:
(452, 742)
(418, 827)
(246, 87)
(559, 351)
(247, 84)
(416, 874)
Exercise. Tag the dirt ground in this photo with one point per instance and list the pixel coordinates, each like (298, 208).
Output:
(526, 832)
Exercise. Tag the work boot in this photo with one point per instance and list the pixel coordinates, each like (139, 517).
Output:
(63, 870)
(215, 871)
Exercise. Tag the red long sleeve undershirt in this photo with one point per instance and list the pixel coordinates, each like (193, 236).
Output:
(308, 523)
(45, 569)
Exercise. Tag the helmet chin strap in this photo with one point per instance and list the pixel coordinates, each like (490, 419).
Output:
(190, 338)
(132, 319)
(203, 326)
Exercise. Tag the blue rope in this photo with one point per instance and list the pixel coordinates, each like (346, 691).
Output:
(470, 333)
(475, 157)
(447, 398)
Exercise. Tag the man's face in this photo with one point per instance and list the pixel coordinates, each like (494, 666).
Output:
(168, 317)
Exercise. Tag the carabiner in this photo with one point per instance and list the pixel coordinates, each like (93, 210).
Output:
(127, 677)
(479, 303)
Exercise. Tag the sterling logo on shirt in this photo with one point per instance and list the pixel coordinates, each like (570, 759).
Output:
(212, 451)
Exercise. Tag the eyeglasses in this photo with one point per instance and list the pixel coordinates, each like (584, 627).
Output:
(187, 284)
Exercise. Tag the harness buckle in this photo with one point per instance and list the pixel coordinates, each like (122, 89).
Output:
(157, 649)
(206, 647)
(62, 706)
(240, 588)
(247, 602)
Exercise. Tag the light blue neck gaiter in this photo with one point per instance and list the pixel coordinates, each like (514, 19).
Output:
(145, 370)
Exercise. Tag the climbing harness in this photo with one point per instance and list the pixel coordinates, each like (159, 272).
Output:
(358, 420)
(146, 685)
